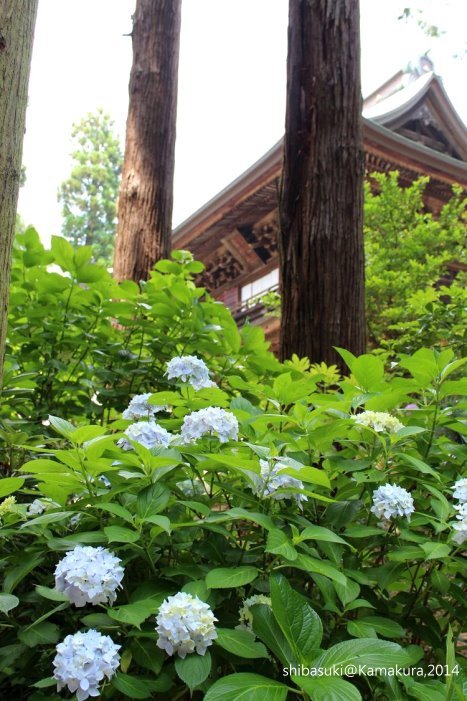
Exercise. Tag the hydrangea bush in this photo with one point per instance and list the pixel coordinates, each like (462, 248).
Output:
(218, 526)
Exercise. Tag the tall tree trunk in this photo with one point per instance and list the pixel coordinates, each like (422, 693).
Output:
(321, 203)
(17, 20)
(146, 194)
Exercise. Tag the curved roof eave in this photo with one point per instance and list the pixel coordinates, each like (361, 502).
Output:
(269, 166)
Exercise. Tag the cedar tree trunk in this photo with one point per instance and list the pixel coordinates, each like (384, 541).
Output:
(17, 20)
(321, 199)
(146, 194)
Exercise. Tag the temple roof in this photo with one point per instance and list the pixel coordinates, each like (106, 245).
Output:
(409, 125)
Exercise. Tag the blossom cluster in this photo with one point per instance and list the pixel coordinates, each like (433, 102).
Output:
(7, 505)
(208, 421)
(83, 660)
(89, 575)
(191, 369)
(38, 506)
(245, 616)
(139, 408)
(391, 500)
(185, 624)
(271, 482)
(146, 433)
(460, 526)
(379, 421)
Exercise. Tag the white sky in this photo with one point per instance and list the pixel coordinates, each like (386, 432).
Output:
(231, 103)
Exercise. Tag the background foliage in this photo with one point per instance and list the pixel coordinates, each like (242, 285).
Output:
(89, 196)
(344, 588)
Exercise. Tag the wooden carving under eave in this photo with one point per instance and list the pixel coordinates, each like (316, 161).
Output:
(146, 194)
(220, 271)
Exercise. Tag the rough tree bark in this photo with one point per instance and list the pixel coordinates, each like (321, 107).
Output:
(321, 199)
(146, 194)
(17, 21)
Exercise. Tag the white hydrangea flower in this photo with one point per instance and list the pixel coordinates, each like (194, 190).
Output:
(460, 489)
(83, 660)
(270, 482)
(208, 421)
(139, 408)
(185, 624)
(38, 506)
(89, 575)
(147, 433)
(391, 500)
(191, 369)
(379, 421)
(245, 616)
(460, 529)
(462, 509)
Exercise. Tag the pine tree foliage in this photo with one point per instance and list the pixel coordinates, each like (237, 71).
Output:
(89, 195)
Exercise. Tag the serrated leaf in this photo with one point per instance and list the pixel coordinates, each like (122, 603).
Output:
(8, 485)
(327, 688)
(279, 544)
(246, 687)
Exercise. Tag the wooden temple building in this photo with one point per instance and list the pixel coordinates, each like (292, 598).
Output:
(409, 125)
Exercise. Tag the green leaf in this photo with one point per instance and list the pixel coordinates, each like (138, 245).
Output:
(310, 475)
(368, 370)
(133, 687)
(370, 625)
(312, 564)
(63, 253)
(8, 485)
(267, 629)
(228, 578)
(279, 544)
(134, 614)
(320, 533)
(152, 500)
(367, 652)
(246, 687)
(240, 642)
(327, 688)
(16, 574)
(8, 602)
(147, 654)
(194, 669)
(118, 534)
(435, 551)
(161, 521)
(64, 428)
(51, 594)
(116, 510)
(44, 633)
(298, 621)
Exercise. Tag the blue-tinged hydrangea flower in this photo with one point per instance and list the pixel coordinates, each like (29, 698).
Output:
(38, 506)
(191, 369)
(378, 421)
(460, 528)
(245, 616)
(460, 490)
(139, 408)
(83, 660)
(271, 482)
(391, 500)
(147, 433)
(209, 421)
(89, 575)
(185, 624)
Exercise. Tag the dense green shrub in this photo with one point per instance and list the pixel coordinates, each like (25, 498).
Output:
(338, 585)
(406, 252)
(80, 346)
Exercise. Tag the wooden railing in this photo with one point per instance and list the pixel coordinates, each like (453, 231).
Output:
(252, 308)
